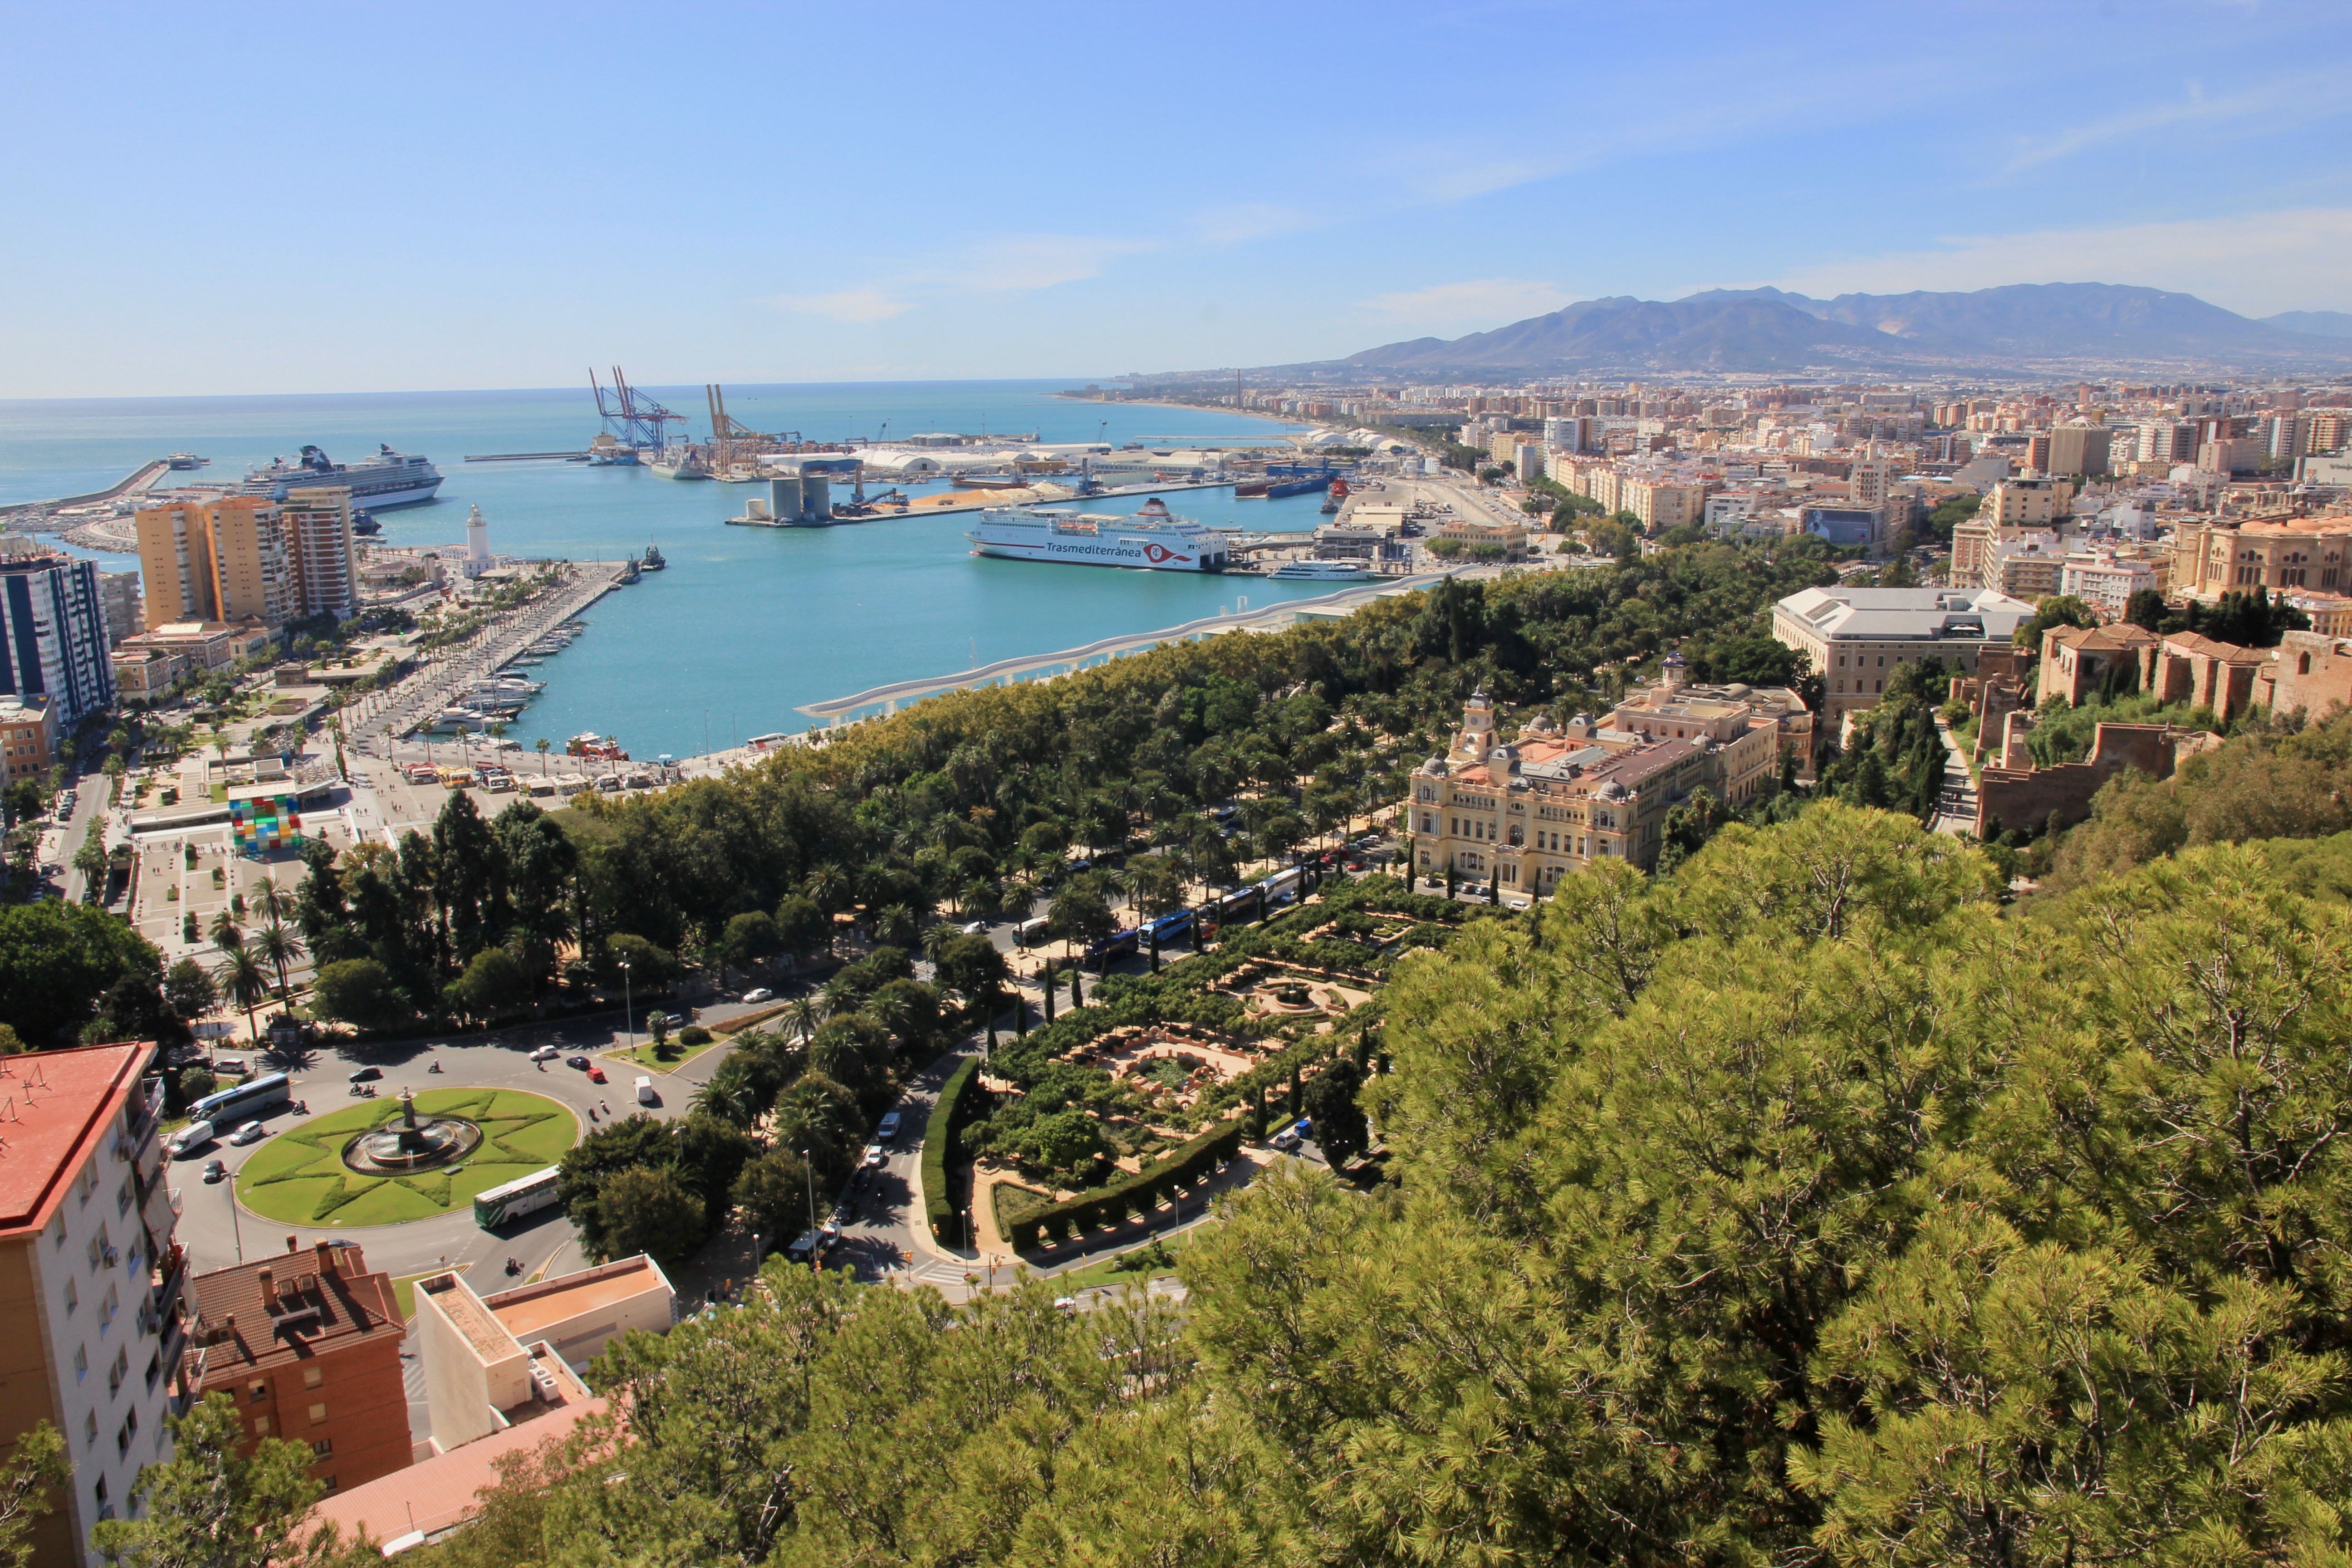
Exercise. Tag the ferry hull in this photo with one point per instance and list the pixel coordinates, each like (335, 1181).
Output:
(1099, 552)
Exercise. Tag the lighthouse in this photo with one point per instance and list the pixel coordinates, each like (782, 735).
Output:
(478, 543)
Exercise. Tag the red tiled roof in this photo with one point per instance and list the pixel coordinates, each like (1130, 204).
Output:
(439, 1493)
(345, 1306)
(54, 1106)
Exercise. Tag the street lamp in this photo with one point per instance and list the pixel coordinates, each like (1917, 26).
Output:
(808, 1171)
(628, 1006)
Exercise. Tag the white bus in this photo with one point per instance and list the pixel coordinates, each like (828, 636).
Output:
(511, 1200)
(231, 1106)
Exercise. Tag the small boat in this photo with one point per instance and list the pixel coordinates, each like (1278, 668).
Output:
(1338, 493)
(987, 481)
(653, 561)
(365, 525)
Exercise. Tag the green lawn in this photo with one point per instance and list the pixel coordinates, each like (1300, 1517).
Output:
(299, 1176)
(1109, 1272)
(643, 1055)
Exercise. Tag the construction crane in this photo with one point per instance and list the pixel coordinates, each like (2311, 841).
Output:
(630, 416)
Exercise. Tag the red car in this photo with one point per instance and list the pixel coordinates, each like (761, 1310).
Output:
(595, 1075)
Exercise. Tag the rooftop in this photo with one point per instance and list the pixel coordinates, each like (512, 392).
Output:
(290, 1307)
(528, 1309)
(438, 1494)
(55, 1108)
(1899, 614)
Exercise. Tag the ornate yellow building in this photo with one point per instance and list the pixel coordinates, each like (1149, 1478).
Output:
(1526, 813)
(2212, 556)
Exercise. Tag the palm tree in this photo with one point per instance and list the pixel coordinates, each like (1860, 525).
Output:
(806, 1015)
(224, 935)
(541, 747)
(278, 947)
(246, 982)
(275, 904)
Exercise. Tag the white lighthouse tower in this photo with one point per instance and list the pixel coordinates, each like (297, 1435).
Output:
(478, 543)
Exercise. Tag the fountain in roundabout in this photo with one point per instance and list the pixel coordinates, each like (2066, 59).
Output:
(405, 1145)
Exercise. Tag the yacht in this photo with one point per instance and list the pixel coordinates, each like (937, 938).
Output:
(1319, 572)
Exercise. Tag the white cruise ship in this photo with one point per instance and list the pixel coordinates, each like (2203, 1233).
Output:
(1153, 540)
(387, 479)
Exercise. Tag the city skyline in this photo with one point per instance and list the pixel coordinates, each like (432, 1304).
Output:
(786, 197)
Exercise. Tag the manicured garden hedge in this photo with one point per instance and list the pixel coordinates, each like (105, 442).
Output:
(1136, 1195)
(948, 1118)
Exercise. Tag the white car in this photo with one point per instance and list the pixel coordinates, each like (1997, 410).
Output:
(545, 1054)
(875, 1154)
(761, 994)
(251, 1132)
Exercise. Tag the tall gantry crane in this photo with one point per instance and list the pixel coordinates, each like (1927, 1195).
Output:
(633, 418)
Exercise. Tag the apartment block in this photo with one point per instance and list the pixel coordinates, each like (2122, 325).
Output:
(29, 738)
(326, 568)
(53, 639)
(117, 592)
(253, 562)
(244, 558)
(2079, 450)
(2107, 581)
(2026, 503)
(307, 1344)
(91, 1277)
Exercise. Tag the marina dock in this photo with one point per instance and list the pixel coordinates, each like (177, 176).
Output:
(1005, 672)
(142, 479)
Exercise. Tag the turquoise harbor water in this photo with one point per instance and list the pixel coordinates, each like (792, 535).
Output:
(746, 624)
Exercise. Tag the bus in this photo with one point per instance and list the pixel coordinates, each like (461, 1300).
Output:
(1282, 887)
(246, 1101)
(1172, 926)
(1110, 947)
(512, 1200)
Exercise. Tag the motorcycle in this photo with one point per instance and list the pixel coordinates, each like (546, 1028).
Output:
(434, 1068)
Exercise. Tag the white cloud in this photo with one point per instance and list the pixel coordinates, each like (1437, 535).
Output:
(1250, 220)
(2254, 263)
(1479, 302)
(2289, 100)
(846, 305)
(1016, 263)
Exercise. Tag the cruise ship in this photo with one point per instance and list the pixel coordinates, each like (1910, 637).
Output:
(1154, 538)
(1319, 572)
(387, 480)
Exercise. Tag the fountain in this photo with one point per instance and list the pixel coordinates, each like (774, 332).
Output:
(406, 1146)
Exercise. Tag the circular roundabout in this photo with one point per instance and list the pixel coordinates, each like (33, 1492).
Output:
(389, 1161)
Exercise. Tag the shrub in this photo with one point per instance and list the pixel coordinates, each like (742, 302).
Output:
(947, 1116)
(693, 1034)
(1139, 1194)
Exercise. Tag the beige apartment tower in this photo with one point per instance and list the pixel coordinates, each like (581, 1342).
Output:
(319, 529)
(175, 564)
(246, 559)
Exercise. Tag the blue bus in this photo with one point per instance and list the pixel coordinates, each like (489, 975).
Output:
(1110, 947)
(246, 1101)
(1168, 927)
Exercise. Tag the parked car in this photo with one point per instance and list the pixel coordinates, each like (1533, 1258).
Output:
(973, 928)
(578, 1062)
(251, 1132)
(367, 1075)
(215, 1170)
(545, 1054)
(760, 994)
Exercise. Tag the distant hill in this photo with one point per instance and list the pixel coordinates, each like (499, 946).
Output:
(1771, 330)
(2318, 323)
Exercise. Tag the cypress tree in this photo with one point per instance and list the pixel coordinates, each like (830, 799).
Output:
(1045, 980)
(1155, 952)
(1077, 996)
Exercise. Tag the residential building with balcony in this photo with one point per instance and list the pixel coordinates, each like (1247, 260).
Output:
(29, 738)
(53, 640)
(307, 1342)
(91, 1276)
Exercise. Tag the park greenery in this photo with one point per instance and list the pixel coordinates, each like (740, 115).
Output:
(1808, 1203)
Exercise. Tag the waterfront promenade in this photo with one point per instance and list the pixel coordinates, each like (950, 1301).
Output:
(1004, 671)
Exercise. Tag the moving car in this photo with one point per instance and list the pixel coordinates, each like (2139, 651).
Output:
(889, 1128)
(595, 1074)
(367, 1075)
(578, 1062)
(646, 1095)
(215, 1170)
(973, 928)
(875, 1154)
(761, 994)
(190, 1139)
(251, 1132)
(545, 1054)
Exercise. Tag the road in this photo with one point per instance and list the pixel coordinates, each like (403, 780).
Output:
(216, 1231)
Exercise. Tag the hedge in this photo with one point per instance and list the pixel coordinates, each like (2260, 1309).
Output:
(1136, 1195)
(947, 1116)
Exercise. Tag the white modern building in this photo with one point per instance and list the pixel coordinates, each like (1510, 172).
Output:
(1856, 639)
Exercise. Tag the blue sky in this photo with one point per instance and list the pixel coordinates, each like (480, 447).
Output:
(250, 198)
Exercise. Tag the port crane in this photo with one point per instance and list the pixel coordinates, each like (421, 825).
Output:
(730, 438)
(630, 416)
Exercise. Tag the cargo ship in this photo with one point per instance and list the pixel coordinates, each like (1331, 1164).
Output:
(1153, 540)
(387, 479)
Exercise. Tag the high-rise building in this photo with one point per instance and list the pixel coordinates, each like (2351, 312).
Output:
(53, 640)
(319, 526)
(90, 1323)
(2077, 450)
(240, 558)
(119, 592)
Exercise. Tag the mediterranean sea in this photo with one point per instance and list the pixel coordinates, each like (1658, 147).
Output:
(746, 624)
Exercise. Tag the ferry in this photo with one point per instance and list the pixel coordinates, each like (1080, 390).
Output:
(1154, 538)
(387, 479)
(1318, 572)
(183, 461)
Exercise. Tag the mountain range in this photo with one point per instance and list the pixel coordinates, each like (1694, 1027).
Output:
(2022, 327)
